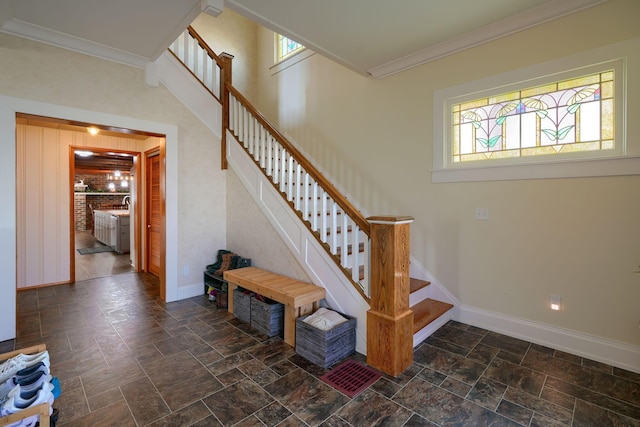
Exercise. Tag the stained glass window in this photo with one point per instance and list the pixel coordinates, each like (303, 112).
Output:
(575, 115)
(286, 47)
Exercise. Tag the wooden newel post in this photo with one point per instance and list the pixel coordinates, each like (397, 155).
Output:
(390, 320)
(225, 82)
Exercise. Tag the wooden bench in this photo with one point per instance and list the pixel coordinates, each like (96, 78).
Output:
(299, 298)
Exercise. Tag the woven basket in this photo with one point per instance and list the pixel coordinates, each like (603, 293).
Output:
(267, 317)
(326, 348)
(242, 305)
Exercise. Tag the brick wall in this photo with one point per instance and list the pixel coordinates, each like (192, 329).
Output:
(84, 202)
(80, 211)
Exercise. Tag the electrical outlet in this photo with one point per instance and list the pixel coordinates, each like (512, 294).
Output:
(185, 270)
(482, 214)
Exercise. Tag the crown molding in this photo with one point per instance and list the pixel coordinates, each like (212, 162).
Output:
(40, 34)
(547, 12)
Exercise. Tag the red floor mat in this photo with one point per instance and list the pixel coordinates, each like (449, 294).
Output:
(351, 377)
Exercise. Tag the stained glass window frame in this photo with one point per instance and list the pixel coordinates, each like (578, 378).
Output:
(531, 167)
(574, 115)
(286, 47)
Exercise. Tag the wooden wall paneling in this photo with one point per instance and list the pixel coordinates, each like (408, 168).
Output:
(20, 206)
(32, 213)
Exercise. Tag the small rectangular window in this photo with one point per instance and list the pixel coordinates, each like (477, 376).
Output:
(285, 47)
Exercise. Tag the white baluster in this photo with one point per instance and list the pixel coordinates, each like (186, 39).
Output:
(256, 140)
(269, 154)
(216, 80)
(276, 163)
(306, 202)
(334, 227)
(355, 260)
(345, 241)
(208, 71)
(245, 126)
(237, 119)
(283, 168)
(251, 143)
(314, 207)
(193, 55)
(232, 107)
(290, 182)
(299, 186)
(185, 49)
(241, 123)
(324, 217)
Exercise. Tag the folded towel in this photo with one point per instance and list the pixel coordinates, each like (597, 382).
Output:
(324, 319)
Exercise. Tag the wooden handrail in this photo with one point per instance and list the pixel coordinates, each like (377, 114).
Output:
(204, 45)
(220, 62)
(342, 201)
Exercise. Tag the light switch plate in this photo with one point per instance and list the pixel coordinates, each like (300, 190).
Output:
(482, 214)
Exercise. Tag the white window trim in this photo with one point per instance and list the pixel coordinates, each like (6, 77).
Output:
(626, 161)
(290, 60)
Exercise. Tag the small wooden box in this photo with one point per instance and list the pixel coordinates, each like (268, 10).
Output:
(326, 348)
(242, 305)
(267, 317)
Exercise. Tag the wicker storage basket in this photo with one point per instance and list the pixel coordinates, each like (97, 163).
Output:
(326, 348)
(242, 305)
(267, 317)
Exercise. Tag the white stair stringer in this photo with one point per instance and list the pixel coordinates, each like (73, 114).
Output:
(181, 83)
(323, 271)
(436, 291)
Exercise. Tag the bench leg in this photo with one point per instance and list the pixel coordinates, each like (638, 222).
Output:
(290, 316)
(230, 288)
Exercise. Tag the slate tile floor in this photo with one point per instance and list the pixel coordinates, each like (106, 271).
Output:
(125, 358)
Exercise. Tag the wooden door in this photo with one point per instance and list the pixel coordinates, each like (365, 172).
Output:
(153, 215)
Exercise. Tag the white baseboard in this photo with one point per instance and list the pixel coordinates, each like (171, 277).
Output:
(190, 291)
(621, 355)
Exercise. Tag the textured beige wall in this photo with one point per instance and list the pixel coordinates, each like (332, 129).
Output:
(579, 238)
(233, 33)
(250, 234)
(39, 72)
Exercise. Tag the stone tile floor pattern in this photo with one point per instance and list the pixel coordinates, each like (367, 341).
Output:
(125, 358)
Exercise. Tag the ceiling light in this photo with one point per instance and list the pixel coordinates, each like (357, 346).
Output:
(84, 153)
(93, 130)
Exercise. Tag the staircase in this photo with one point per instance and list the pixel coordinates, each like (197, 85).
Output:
(337, 231)
(427, 310)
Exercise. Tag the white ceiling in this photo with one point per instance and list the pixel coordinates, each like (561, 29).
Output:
(371, 37)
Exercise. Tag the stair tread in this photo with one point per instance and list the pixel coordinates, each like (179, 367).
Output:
(427, 311)
(417, 284)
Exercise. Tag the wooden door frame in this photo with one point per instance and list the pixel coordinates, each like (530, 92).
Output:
(161, 151)
(72, 214)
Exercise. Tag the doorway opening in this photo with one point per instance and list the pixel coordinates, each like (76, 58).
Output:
(113, 174)
(104, 214)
